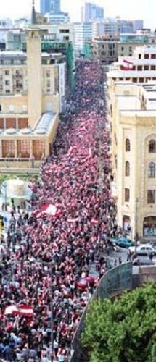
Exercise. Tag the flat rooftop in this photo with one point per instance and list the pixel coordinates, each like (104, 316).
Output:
(42, 128)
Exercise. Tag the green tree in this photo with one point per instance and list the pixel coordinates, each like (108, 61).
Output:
(123, 330)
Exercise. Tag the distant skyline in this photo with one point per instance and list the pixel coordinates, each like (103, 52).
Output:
(133, 9)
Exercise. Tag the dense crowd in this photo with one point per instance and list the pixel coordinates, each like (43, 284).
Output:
(45, 279)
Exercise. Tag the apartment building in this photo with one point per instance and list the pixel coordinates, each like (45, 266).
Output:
(132, 112)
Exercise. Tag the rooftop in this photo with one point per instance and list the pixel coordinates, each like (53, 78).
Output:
(42, 128)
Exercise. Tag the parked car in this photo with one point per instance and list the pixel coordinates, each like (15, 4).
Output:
(124, 242)
(143, 250)
(115, 247)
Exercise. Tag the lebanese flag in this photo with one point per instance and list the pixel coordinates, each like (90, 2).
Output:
(22, 310)
(127, 65)
(11, 309)
(26, 310)
(48, 209)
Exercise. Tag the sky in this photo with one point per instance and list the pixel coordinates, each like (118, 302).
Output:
(131, 9)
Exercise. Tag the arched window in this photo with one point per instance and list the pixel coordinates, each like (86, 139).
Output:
(152, 146)
(127, 168)
(128, 144)
(151, 169)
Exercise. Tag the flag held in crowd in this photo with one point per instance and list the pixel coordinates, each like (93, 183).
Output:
(22, 310)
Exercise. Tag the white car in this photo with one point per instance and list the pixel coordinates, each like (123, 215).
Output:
(143, 250)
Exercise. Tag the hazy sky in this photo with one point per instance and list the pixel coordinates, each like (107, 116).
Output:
(138, 9)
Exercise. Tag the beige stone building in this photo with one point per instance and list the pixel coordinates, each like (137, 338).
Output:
(139, 68)
(132, 112)
(29, 101)
(105, 48)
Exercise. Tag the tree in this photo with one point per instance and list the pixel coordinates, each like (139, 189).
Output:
(123, 330)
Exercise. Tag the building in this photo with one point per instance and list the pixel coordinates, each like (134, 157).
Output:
(138, 25)
(128, 42)
(82, 34)
(105, 48)
(5, 23)
(51, 10)
(29, 101)
(58, 18)
(132, 113)
(50, 6)
(139, 68)
(92, 12)
(54, 39)
(119, 26)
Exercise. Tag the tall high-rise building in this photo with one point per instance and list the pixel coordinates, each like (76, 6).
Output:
(92, 12)
(50, 6)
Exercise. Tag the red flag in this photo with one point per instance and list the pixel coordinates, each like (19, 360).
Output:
(127, 65)
(26, 310)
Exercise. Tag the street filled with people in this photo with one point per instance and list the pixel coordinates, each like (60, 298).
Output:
(45, 270)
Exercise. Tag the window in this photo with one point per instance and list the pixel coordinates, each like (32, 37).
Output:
(23, 148)
(146, 56)
(151, 169)
(127, 195)
(152, 67)
(48, 73)
(6, 82)
(151, 196)
(48, 84)
(152, 146)
(146, 67)
(10, 148)
(128, 144)
(127, 168)
(6, 72)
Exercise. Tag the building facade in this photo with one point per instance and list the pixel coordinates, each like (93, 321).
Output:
(58, 18)
(128, 42)
(108, 47)
(132, 112)
(92, 12)
(54, 39)
(82, 33)
(140, 67)
(105, 48)
(29, 101)
(50, 6)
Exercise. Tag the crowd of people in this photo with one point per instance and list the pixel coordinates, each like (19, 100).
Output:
(45, 274)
